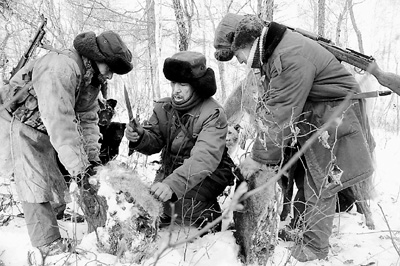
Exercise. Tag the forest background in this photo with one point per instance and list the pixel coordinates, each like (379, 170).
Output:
(155, 29)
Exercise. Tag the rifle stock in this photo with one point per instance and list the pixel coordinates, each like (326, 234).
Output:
(359, 60)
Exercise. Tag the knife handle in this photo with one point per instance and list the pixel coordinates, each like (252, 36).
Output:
(133, 124)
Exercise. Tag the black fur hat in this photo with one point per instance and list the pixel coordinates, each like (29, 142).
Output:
(108, 47)
(235, 32)
(190, 67)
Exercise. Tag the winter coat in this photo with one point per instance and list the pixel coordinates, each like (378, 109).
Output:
(63, 123)
(304, 83)
(195, 163)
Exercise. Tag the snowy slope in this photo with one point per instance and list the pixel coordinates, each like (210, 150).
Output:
(352, 243)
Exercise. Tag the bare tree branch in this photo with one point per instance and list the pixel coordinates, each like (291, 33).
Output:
(390, 231)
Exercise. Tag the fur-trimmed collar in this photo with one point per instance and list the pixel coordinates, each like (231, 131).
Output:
(271, 40)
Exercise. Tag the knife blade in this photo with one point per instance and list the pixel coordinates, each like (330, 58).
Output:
(132, 121)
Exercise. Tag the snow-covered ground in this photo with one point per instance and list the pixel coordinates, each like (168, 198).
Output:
(352, 243)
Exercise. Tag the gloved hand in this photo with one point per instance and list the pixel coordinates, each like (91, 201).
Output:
(83, 178)
(134, 131)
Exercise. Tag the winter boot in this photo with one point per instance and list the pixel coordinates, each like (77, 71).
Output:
(304, 253)
(38, 255)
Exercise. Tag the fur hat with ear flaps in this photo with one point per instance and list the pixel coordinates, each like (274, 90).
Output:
(190, 67)
(107, 48)
(235, 32)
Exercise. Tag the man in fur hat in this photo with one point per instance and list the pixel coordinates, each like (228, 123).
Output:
(303, 85)
(54, 126)
(190, 129)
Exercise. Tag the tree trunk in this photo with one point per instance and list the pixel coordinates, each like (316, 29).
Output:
(3, 55)
(159, 40)
(188, 8)
(183, 33)
(314, 8)
(339, 25)
(354, 23)
(265, 9)
(221, 66)
(152, 49)
(321, 18)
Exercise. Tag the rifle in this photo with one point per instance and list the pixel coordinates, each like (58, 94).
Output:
(359, 60)
(36, 42)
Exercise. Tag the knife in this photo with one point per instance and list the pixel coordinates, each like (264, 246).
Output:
(132, 121)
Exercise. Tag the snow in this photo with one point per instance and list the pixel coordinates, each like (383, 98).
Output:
(352, 243)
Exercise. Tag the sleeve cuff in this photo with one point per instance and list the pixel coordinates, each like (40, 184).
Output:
(260, 154)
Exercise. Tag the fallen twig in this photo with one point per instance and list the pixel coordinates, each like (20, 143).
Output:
(378, 231)
(390, 230)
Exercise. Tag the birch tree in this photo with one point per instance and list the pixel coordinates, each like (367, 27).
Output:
(221, 65)
(355, 27)
(182, 29)
(321, 18)
(152, 49)
(266, 9)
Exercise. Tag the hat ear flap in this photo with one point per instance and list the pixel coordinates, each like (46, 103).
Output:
(223, 54)
(205, 86)
(116, 54)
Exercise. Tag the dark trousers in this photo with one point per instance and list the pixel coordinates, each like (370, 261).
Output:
(312, 212)
(299, 199)
(41, 223)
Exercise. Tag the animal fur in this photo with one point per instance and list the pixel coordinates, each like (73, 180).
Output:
(257, 224)
(133, 213)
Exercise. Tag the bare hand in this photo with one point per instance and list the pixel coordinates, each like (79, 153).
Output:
(161, 191)
(133, 135)
(249, 167)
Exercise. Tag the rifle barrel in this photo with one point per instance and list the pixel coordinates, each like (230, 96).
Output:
(37, 41)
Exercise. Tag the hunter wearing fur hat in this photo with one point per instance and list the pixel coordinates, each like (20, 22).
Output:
(54, 126)
(190, 129)
(303, 85)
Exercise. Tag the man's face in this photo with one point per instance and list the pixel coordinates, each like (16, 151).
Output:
(242, 55)
(181, 92)
(105, 70)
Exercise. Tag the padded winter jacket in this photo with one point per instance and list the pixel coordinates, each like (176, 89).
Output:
(195, 163)
(67, 108)
(303, 85)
